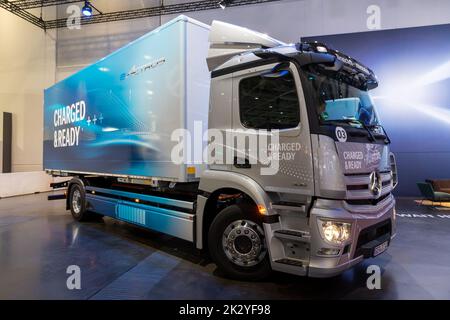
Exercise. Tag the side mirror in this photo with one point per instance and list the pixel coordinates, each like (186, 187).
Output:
(278, 74)
(280, 70)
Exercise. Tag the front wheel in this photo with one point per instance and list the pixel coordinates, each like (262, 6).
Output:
(237, 244)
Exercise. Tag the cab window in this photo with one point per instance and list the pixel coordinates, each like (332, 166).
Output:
(269, 101)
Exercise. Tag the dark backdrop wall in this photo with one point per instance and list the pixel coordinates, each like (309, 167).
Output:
(413, 98)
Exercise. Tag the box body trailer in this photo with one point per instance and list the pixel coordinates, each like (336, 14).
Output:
(310, 191)
(116, 117)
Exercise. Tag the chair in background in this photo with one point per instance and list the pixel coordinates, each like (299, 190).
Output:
(428, 193)
(440, 185)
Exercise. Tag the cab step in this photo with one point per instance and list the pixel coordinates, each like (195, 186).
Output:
(290, 265)
(291, 262)
(289, 206)
(293, 235)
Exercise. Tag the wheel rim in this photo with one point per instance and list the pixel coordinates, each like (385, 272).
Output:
(76, 202)
(243, 243)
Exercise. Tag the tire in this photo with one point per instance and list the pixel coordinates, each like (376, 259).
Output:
(77, 203)
(237, 244)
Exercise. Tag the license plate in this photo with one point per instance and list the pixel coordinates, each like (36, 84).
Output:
(380, 248)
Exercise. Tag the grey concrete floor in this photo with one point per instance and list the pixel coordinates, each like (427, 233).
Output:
(39, 240)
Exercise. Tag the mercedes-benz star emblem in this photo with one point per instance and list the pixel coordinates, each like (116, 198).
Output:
(375, 184)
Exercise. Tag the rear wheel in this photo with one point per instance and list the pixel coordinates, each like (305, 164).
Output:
(77, 202)
(237, 244)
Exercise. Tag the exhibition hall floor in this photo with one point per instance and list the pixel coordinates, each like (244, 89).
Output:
(39, 240)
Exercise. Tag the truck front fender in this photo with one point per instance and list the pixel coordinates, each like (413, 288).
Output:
(212, 181)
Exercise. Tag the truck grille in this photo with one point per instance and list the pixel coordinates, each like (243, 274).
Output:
(358, 187)
(367, 202)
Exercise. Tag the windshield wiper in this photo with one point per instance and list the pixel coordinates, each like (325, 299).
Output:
(372, 138)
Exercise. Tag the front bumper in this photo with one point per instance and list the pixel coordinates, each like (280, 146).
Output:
(370, 227)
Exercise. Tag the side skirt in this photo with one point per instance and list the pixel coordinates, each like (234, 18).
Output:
(169, 216)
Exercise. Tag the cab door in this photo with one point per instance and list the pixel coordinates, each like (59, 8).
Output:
(270, 98)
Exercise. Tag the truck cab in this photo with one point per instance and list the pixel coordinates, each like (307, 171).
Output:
(330, 204)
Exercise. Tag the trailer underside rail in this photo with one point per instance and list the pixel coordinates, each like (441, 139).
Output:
(57, 185)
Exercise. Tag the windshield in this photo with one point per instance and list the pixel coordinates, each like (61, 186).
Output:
(338, 101)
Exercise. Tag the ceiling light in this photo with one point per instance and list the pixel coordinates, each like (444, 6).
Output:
(87, 9)
(224, 3)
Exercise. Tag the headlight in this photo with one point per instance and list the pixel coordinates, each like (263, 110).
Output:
(335, 232)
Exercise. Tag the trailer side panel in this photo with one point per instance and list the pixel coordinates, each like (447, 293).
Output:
(116, 117)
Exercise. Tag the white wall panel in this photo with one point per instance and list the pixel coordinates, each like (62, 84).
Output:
(27, 66)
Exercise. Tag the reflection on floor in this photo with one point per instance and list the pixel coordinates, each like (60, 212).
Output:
(39, 240)
(437, 205)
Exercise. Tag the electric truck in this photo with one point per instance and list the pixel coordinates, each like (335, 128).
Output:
(267, 155)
